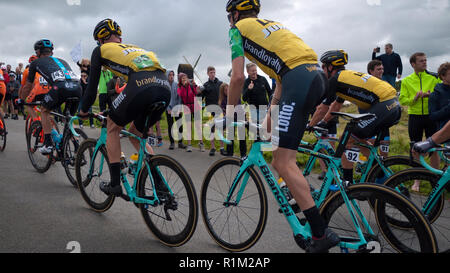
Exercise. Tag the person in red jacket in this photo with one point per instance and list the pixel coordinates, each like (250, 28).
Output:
(187, 92)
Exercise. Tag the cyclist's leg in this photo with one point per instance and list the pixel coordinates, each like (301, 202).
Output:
(302, 89)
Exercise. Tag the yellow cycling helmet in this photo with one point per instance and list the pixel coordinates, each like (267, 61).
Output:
(335, 57)
(105, 28)
(243, 5)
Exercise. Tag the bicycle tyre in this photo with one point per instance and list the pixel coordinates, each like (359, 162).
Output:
(172, 232)
(69, 153)
(424, 239)
(438, 215)
(390, 161)
(3, 135)
(35, 139)
(89, 186)
(213, 207)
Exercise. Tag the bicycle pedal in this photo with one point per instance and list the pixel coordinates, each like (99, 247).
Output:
(302, 242)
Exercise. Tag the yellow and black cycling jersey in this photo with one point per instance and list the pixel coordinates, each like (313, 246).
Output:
(121, 59)
(124, 59)
(361, 89)
(274, 48)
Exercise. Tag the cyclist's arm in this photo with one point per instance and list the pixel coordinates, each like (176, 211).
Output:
(94, 77)
(442, 135)
(237, 76)
(26, 89)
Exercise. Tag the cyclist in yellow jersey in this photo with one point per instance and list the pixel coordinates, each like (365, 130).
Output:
(147, 84)
(369, 93)
(300, 86)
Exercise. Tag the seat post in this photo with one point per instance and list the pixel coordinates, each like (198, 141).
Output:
(344, 138)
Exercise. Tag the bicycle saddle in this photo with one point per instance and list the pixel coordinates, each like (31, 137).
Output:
(354, 117)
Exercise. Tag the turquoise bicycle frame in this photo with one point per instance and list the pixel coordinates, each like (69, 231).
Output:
(131, 190)
(302, 231)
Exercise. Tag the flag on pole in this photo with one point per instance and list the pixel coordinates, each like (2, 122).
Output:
(76, 53)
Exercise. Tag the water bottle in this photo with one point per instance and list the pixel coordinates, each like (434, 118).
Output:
(288, 195)
(123, 161)
(133, 164)
(361, 164)
(56, 136)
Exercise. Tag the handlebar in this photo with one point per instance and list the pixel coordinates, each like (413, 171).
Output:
(221, 123)
(427, 166)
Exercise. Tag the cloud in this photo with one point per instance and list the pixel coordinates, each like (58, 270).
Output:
(173, 29)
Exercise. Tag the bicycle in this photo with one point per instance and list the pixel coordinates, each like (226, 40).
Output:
(161, 189)
(66, 144)
(233, 189)
(3, 133)
(375, 170)
(433, 197)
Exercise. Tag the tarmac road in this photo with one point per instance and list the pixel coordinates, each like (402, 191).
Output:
(43, 213)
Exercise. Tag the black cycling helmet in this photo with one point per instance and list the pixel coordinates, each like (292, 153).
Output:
(243, 5)
(43, 44)
(335, 57)
(105, 28)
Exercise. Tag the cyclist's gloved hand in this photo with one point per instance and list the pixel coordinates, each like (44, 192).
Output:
(423, 146)
(322, 124)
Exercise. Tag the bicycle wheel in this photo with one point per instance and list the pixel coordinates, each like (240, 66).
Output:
(387, 203)
(439, 215)
(2, 134)
(70, 146)
(89, 182)
(237, 226)
(395, 164)
(35, 140)
(174, 220)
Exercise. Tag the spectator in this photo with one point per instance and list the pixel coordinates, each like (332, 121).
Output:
(211, 95)
(223, 96)
(19, 72)
(187, 92)
(439, 100)
(391, 63)
(85, 65)
(84, 82)
(375, 68)
(174, 100)
(414, 93)
(257, 92)
(14, 87)
(105, 77)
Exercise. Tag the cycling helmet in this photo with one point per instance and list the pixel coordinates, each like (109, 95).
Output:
(335, 57)
(43, 44)
(243, 5)
(105, 28)
(32, 58)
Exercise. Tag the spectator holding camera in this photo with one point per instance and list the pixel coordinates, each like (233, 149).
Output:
(392, 63)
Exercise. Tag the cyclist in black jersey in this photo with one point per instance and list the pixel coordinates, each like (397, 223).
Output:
(369, 93)
(300, 86)
(62, 81)
(146, 84)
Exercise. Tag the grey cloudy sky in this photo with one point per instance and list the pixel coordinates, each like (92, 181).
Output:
(173, 29)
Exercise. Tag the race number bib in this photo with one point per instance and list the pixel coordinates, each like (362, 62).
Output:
(384, 148)
(152, 141)
(352, 155)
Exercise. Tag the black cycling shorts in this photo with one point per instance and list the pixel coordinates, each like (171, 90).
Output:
(143, 89)
(60, 92)
(387, 113)
(418, 124)
(303, 88)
